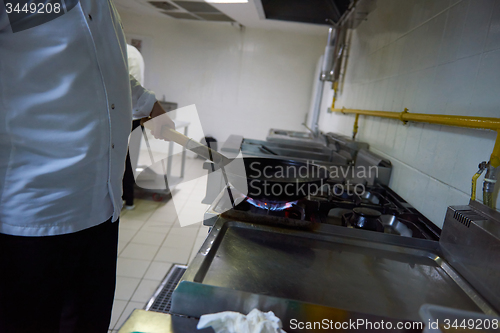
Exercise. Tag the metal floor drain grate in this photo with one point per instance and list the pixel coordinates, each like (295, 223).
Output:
(161, 300)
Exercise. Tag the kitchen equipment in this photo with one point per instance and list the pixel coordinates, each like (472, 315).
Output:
(150, 180)
(194, 146)
(210, 142)
(335, 204)
(305, 139)
(329, 272)
(269, 220)
(366, 159)
(288, 150)
(279, 180)
(236, 144)
(471, 242)
(275, 179)
(267, 150)
(364, 218)
(345, 145)
(202, 150)
(341, 255)
(304, 263)
(339, 155)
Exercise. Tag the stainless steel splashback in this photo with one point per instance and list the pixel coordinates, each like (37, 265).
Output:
(366, 159)
(470, 242)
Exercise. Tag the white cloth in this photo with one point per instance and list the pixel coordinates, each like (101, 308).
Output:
(65, 116)
(135, 64)
(234, 322)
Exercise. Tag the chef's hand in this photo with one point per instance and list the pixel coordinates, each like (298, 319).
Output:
(157, 121)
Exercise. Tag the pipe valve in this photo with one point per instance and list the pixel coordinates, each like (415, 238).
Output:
(490, 179)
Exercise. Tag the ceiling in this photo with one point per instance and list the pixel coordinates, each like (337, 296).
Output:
(249, 14)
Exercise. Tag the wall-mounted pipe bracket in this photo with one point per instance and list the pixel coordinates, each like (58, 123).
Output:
(405, 111)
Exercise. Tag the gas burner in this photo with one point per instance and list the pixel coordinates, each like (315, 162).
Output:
(344, 192)
(364, 218)
(378, 209)
(356, 195)
(370, 198)
(271, 205)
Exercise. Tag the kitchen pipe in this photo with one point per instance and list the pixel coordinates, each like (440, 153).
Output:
(317, 108)
(355, 127)
(327, 68)
(330, 66)
(488, 123)
(326, 74)
(482, 167)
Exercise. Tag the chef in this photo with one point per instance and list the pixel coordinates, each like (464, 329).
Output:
(66, 105)
(136, 69)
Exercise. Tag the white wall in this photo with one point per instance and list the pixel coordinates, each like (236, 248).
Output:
(242, 82)
(436, 57)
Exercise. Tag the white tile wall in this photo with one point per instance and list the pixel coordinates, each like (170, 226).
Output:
(476, 27)
(430, 56)
(242, 82)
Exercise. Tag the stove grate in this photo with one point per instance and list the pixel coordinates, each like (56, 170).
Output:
(161, 301)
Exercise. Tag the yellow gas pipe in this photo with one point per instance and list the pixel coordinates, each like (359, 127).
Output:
(482, 167)
(495, 156)
(355, 128)
(492, 124)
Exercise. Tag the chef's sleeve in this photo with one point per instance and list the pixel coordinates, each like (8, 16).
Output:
(4, 19)
(142, 99)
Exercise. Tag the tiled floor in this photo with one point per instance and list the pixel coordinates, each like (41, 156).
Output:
(151, 240)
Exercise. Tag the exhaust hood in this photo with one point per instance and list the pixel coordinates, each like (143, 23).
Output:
(305, 11)
(190, 10)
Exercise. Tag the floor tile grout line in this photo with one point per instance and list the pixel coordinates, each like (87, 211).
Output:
(147, 268)
(168, 233)
(128, 302)
(193, 247)
(128, 242)
(117, 319)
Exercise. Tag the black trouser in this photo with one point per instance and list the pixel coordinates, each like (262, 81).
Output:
(63, 283)
(128, 183)
(128, 176)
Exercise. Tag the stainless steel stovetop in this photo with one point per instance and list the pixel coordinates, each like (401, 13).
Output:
(378, 208)
(313, 260)
(330, 272)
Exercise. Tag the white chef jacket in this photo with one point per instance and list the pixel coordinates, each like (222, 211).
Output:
(135, 63)
(65, 116)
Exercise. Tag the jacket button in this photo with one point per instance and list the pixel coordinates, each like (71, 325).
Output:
(113, 106)
(90, 17)
(113, 146)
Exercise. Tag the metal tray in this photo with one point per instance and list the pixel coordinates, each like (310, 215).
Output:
(349, 269)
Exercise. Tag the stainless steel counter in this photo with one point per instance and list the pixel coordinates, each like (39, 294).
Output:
(305, 139)
(331, 271)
